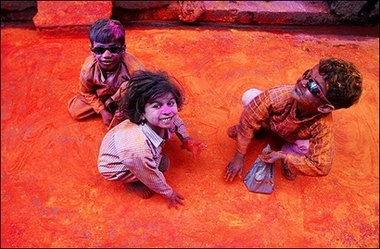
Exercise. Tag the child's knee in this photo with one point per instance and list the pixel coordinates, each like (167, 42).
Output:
(299, 147)
(79, 109)
(249, 95)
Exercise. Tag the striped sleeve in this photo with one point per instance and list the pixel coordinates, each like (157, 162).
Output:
(251, 120)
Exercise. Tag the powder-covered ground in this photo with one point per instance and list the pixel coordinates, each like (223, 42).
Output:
(53, 196)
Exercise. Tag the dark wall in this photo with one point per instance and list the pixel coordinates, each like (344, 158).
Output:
(350, 12)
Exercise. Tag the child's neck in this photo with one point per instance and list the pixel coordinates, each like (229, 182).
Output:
(159, 131)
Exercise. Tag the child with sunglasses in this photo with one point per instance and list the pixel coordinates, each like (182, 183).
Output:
(105, 73)
(301, 115)
(131, 152)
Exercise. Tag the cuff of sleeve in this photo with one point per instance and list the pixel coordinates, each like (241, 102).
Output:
(168, 193)
(288, 159)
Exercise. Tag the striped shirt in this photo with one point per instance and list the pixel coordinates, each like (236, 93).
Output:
(131, 152)
(275, 109)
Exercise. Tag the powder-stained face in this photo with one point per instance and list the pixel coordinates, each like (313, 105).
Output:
(310, 90)
(160, 114)
(108, 55)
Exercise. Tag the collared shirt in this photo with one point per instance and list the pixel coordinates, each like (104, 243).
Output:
(275, 109)
(97, 87)
(131, 152)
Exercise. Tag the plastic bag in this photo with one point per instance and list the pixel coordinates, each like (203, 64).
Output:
(260, 178)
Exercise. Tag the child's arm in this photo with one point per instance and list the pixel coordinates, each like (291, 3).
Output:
(174, 200)
(88, 84)
(188, 143)
(88, 90)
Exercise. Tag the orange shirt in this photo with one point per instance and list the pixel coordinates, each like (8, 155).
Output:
(275, 109)
(96, 87)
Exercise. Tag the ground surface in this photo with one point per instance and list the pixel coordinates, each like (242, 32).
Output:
(53, 196)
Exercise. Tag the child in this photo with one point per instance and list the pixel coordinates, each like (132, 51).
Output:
(131, 151)
(300, 114)
(105, 73)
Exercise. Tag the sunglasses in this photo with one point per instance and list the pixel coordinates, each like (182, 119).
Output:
(101, 50)
(313, 87)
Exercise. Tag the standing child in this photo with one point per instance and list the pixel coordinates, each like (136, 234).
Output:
(105, 73)
(131, 152)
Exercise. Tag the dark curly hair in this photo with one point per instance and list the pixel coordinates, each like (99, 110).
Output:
(145, 87)
(343, 82)
(107, 30)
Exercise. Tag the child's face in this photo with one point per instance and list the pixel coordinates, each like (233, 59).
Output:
(160, 114)
(310, 90)
(108, 55)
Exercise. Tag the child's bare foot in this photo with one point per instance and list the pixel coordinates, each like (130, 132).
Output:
(140, 189)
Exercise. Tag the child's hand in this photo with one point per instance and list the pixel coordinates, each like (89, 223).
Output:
(194, 146)
(174, 200)
(272, 156)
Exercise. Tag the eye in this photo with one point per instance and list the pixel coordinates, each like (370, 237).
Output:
(115, 49)
(172, 103)
(313, 87)
(156, 106)
(98, 50)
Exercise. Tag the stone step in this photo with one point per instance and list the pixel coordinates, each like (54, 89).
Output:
(60, 14)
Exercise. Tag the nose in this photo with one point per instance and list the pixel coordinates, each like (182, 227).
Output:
(166, 109)
(303, 82)
(107, 53)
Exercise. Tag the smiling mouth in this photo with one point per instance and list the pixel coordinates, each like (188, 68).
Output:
(166, 120)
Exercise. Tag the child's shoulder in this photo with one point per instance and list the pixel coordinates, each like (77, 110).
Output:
(88, 63)
(133, 62)
(126, 127)
(281, 88)
(279, 95)
(127, 133)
